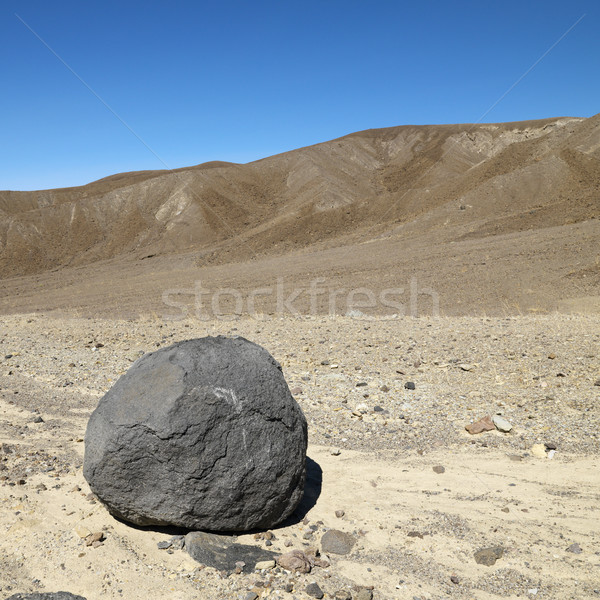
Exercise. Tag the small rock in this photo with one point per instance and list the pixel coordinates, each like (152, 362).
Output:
(296, 391)
(336, 452)
(343, 595)
(550, 446)
(82, 531)
(439, 469)
(164, 545)
(313, 590)
(339, 513)
(295, 560)
(552, 356)
(575, 549)
(415, 534)
(94, 539)
(361, 384)
(251, 596)
(501, 424)
(264, 564)
(410, 385)
(384, 388)
(597, 383)
(466, 367)
(454, 579)
(538, 450)
(38, 419)
(363, 594)
(221, 552)
(489, 556)
(337, 542)
(484, 424)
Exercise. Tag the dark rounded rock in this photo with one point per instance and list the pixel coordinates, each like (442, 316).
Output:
(204, 434)
(410, 385)
(335, 541)
(222, 553)
(45, 596)
(313, 590)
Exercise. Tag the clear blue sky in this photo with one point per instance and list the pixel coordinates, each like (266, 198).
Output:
(241, 80)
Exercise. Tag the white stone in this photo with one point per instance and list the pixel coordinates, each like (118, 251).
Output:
(501, 423)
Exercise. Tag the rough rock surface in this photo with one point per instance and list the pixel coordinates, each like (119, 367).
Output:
(337, 542)
(45, 596)
(203, 434)
(484, 424)
(222, 553)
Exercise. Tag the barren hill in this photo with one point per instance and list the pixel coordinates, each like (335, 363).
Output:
(514, 205)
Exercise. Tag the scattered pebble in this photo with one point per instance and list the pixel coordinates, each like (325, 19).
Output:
(538, 450)
(314, 591)
(501, 424)
(337, 542)
(484, 424)
(410, 385)
(439, 469)
(296, 560)
(575, 549)
(489, 556)
(363, 594)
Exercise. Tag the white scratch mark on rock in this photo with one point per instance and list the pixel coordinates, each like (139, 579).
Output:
(229, 396)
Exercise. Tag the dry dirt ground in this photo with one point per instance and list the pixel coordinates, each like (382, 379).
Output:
(375, 444)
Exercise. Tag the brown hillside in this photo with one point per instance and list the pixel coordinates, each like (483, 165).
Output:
(461, 189)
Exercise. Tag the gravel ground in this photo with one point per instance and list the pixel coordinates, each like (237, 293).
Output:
(350, 377)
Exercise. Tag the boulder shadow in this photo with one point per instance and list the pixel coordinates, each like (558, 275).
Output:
(312, 491)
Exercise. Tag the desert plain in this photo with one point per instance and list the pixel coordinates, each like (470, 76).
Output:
(410, 281)
(377, 449)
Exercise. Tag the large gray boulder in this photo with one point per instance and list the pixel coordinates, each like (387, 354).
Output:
(45, 596)
(204, 434)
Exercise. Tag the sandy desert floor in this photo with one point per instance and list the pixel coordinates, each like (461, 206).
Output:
(378, 449)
